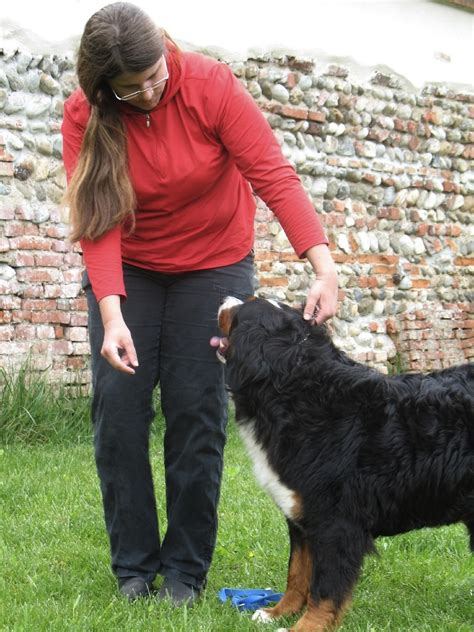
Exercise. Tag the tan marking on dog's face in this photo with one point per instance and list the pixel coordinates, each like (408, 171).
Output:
(226, 313)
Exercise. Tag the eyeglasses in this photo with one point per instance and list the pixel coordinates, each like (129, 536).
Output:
(154, 86)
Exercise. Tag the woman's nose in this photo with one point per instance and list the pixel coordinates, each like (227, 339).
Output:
(147, 95)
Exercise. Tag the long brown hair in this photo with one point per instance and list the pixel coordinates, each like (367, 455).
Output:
(119, 38)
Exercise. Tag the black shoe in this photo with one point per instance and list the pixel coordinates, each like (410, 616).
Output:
(178, 593)
(134, 588)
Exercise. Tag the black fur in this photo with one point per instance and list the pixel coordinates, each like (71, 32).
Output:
(369, 454)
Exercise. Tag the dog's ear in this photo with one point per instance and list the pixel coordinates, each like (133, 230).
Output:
(245, 361)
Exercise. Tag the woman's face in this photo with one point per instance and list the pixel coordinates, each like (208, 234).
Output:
(142, 89)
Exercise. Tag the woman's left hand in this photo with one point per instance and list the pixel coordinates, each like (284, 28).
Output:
(321, 302)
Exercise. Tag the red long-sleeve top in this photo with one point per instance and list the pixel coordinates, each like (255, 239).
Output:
(193, 160)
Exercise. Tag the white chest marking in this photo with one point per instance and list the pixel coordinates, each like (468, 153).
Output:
(283, 497)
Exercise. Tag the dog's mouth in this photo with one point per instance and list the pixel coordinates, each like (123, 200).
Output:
(222, 350)
(221, 344)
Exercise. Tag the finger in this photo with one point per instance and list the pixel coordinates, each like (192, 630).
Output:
(312, 304)
(129, 354)
(310, 309)
(324, 311)
(118, 362)
(321, 317)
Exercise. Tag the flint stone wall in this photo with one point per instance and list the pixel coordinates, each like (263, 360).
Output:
(388, 169)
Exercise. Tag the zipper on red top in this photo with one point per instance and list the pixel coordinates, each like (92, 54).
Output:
(148, 121)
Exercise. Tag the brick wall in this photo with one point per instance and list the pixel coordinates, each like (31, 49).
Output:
(389, 171)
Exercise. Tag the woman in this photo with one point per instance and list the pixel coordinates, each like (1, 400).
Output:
(160, 147)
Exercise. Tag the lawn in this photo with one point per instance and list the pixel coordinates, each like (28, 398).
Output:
(55, 565)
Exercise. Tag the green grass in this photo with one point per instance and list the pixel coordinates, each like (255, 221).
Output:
(54, 572)
(33, 411)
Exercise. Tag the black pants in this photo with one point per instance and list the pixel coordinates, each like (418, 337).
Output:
(171, 319)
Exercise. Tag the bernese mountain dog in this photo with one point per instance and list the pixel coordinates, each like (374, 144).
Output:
(346, 452)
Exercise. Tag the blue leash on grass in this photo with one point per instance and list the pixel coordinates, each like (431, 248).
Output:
(249, 598)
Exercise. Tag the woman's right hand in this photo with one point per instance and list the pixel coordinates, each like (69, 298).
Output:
(118, 348)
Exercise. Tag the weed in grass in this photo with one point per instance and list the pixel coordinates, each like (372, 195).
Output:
(34, 411)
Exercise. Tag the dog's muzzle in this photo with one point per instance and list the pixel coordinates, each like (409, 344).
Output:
(221, 350)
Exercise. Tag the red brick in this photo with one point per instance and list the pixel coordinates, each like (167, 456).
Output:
(31, 243)
(79, 320)
(5, 156)
(294, 112)
(25, 332)
(33, 291)
(45, 332)
(34, 275)
(76, 334)
(19, 229)
(318, 117)
(73, 259)
(384, 269)
(39, 305)
(21, 315)
(77, 363)
(50, 317)
(339, 206)
(24, 260)
(463, 261)
(14, 349)
(49, 259)
(274, 281)
(80, 304)
(52, 291)
(57, 232)
(80, 348)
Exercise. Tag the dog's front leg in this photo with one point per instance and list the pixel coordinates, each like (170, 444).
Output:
(319, 617)
(298, 583)
(337, 553)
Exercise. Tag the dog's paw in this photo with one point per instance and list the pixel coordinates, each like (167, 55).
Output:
(262, 616)
(282, 630)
